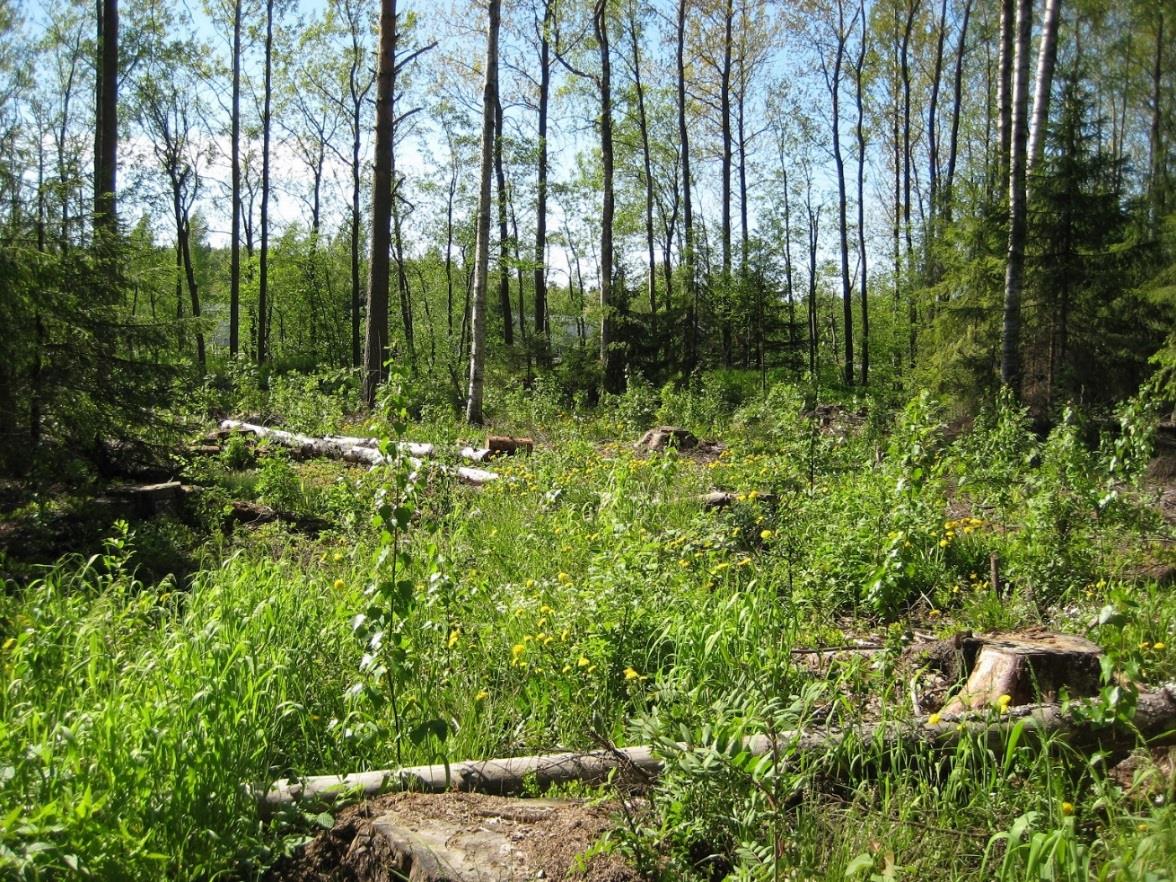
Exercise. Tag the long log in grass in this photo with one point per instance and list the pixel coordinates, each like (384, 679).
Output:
(1154, 721)
(365, 451)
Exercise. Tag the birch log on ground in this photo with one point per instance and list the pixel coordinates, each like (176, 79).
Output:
(345, 447)
(356, 450)
(1154, 721)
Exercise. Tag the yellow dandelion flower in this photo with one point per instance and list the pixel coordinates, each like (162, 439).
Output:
(517, 650)
(482, 695)
(1002, 703)
(1159, 646)
(582, 661)
(338, 556)
(1143, 644)
(1067, 808)
(766, 534)
(934, 614)
(454, 636)
(565, 669)
(943, 543)
(564, 578)
(631, 674)
(339, 584)
(934, 720)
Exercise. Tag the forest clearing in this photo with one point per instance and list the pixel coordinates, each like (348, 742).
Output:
(589, 599)
(600, 440)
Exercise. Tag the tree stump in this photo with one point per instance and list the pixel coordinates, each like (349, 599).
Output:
(667, 436)
(1028, 668)
(504, 445)
(461, 837)
(724, 498)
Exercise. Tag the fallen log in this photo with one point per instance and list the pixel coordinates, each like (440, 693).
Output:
(254, 514)
(1154, 722)
(148, 500)
(365, 452)
(345, 447)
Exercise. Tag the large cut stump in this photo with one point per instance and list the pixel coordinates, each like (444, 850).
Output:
(461, 837)
(1028, 668)
(667, 436)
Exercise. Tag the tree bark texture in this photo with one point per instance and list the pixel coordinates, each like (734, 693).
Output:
(235, 197)
(691, 295)
(503, 229)
(106, 128)
(1047, 56)
(611, 350)
(1010, 364)
(482, 254)
(541, 329)
(376, 338)
(263, 306)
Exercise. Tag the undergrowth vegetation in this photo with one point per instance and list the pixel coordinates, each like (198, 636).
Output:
(587, 599)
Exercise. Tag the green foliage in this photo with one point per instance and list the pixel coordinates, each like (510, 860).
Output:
(78, 371)
(586, 598)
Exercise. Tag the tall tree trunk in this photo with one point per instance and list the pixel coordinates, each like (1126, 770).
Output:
(834, 84)
(912, 12)
(904, 62)
(376, 338)
(541, 328)
(788, 256)
(106, 128)
(1004, 88)
(859, 68)
(896, 137)
(744, 226)
(1157, 182)
(402, 288)
(725, 128)
(503, 230)
(193, 290)
(263, 261)
(1047, 57)
(355, 183)
(1010, 364)
(814, 223)
(933, 128)
(1157, 178)
(482, 256)
(235, 197)
(957, 102)
(647, 170)
(691, 292)
(610, 349)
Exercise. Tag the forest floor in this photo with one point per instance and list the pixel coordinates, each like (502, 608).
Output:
(588, 596)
